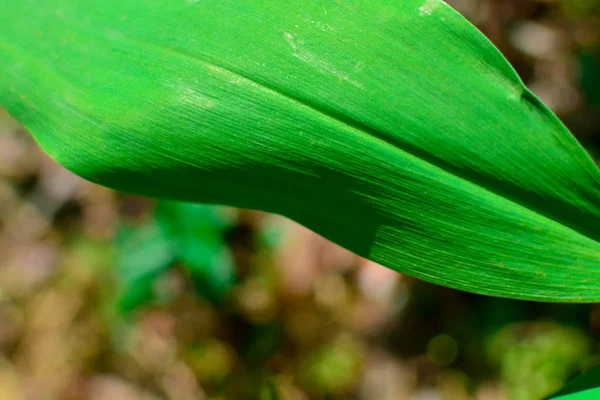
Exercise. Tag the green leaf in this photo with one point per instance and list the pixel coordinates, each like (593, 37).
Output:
(591, 394)
(269, 391)
(584, 387)
(393, 128)
(196, 233)
(143, 255)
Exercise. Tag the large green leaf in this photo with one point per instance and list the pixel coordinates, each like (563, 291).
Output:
(591, 394)
(584, 387)
(393, 128)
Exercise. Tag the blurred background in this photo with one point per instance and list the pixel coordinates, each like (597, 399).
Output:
(105, 296)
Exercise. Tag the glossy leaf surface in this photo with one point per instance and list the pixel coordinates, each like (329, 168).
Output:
(393, 128)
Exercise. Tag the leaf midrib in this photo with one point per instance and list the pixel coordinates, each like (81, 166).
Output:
(527, 199)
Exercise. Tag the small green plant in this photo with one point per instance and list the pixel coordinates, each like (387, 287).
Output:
(187, 235)
(395, 129)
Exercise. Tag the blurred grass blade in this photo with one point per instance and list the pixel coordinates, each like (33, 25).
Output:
(269, 391)
(143, 255)
(393, 128)
(584, 387)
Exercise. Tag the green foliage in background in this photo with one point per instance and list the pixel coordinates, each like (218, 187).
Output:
(191, 235)
(582, 6)
(536, 359)
(197, 233)
(143, 255)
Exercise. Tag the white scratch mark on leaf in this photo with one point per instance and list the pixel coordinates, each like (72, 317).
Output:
(189, 96)
(429, 6)
(300, 52)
